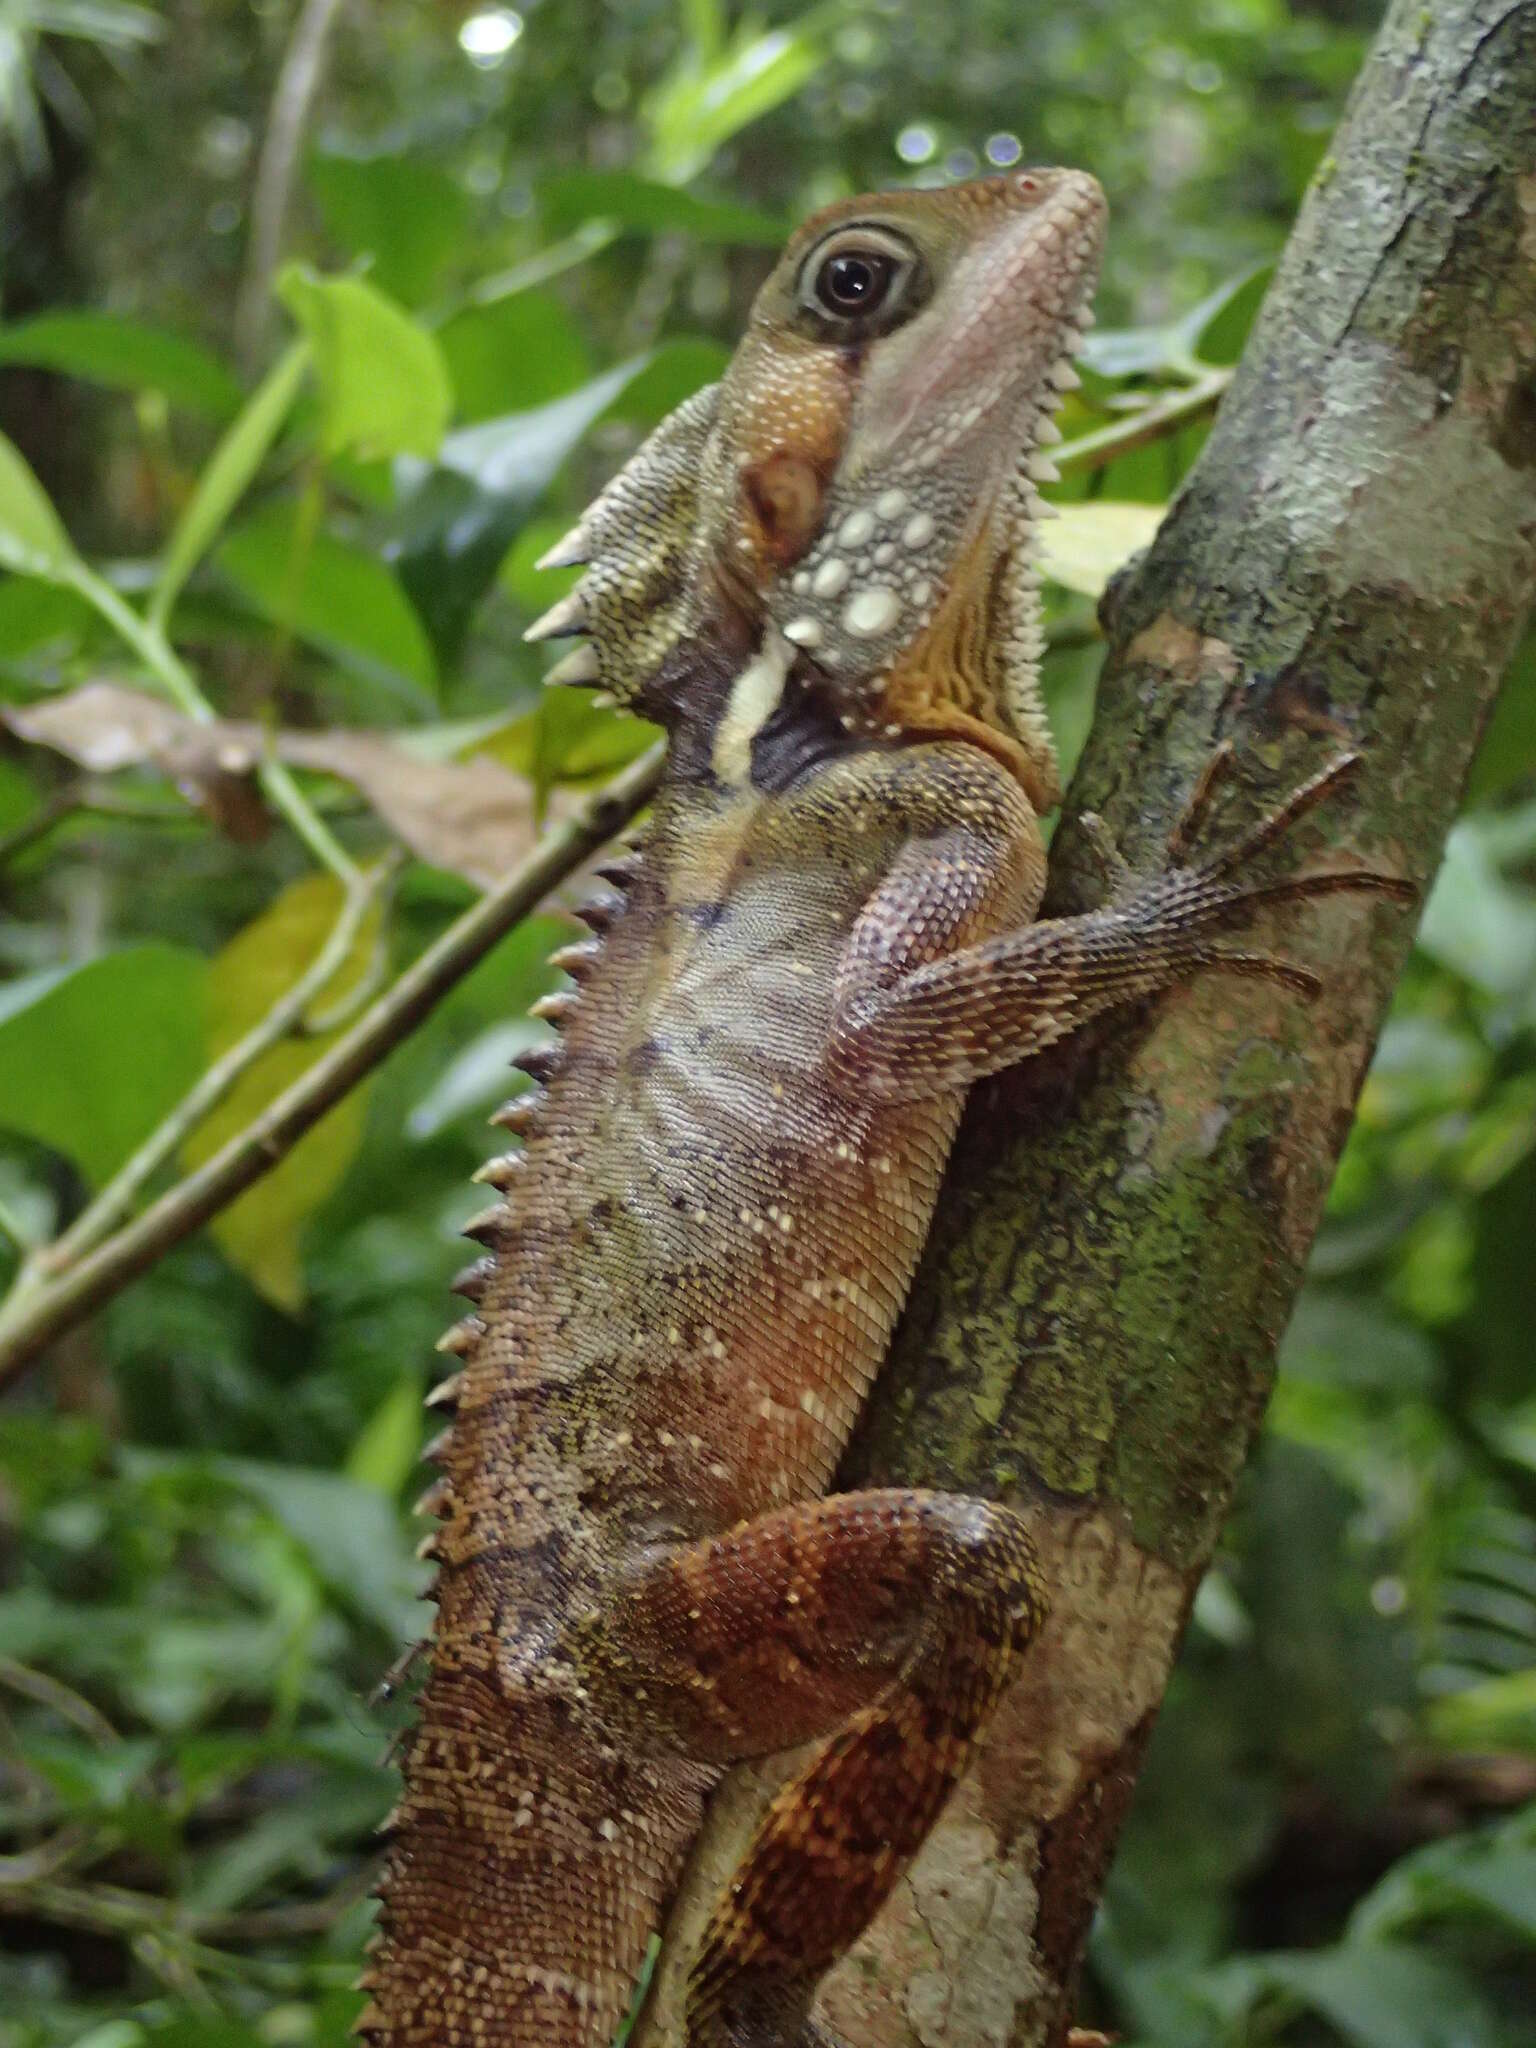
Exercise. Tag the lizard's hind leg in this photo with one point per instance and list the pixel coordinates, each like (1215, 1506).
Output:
(896, 1618)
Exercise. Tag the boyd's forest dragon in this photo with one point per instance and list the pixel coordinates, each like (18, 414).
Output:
(818, 576)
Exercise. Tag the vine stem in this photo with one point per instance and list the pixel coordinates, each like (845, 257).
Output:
(1165, 414)
(57, 1305)
(148, 641)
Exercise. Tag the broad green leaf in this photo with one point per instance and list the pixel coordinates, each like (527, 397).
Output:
(1496, 1714)
(1507, 756)
(351, 1532)
(457, 519)
(408, 217)
(1476, 922)
(92, 1057)
(1489, 1872)
(1385, 1995)
(35, 616)
(33, 541)
(477, 1077)
(389, 1447)
(328, 592)
(260, 1233)
(114, 22)
(1346, 1340)
(516, 457)
(18, 798)
(566, 738)
(1217, 329)
(512, 354)
(672, 373)
(384, 387)
(644, 204)
(1211, 332)
(231, 470)
(127, 355)
(1084, 547)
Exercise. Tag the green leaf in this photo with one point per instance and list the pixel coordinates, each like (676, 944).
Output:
(456, 520)
(18, 798)
(329, 593)
(260, 1233)
(1476, 923)
(567, 738)
(126, 355)
(1485, 1872)
(92, 1057)
(1382, 1995)
(1352, 1341)
(1090, 540)
(389, 1448)
(408, 217)
(649, 207)
(384, 387)
(116, 23)
(351, 1532)
(32, 537)
(707, 98)
(231, 470)
(1507, 756)
(36, 615)
(1217, 329)
(513, 354)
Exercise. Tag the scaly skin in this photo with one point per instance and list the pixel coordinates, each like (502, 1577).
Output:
(817, 577)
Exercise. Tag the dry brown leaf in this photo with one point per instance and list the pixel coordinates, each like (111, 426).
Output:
(474, 816)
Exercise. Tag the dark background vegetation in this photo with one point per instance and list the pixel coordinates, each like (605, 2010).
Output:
(532, 232)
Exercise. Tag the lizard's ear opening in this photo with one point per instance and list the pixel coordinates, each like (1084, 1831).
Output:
(637, 599)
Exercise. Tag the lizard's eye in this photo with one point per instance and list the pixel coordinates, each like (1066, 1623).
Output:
(853, 281)
(857, 275)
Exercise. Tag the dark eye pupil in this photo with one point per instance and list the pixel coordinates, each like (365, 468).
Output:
(852, 283)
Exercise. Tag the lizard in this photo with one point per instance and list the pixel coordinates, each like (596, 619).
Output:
(819, 576)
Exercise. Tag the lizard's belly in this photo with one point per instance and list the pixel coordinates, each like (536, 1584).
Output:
(707, 1270)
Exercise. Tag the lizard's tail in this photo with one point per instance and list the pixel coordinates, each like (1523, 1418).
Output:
(526, 1869)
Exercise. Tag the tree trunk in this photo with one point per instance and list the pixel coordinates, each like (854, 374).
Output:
(1124, 1228)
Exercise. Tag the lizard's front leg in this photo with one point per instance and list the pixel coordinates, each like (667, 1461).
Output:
(892, 1618)
(922, 1003)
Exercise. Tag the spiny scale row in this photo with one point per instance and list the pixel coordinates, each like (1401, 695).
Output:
(519, 1116)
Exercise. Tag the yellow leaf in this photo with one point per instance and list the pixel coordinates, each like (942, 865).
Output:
(260, 1233)
(1084, 547)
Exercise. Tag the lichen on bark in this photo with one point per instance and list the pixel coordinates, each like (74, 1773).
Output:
(1125, 1224)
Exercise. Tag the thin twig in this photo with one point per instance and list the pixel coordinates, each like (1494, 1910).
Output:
(286, 1016)
(58, 1305)
(44, 1690)
(298, 80)
(1173, 410)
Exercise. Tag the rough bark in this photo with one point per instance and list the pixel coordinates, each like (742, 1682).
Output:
(1124, 1230)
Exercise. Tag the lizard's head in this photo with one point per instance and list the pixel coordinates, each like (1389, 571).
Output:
(863, 480)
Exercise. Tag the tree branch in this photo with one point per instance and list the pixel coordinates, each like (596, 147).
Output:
(46, 1311)
(1124, 1227)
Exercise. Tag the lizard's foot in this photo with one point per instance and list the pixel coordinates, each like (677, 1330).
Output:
(1211, 898)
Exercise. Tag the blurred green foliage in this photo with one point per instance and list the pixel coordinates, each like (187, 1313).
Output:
(518, 238)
